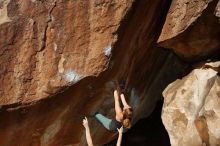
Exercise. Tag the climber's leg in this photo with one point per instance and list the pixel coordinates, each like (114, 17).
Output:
(125, 104)
(118, 110)
(106, 122)
(109, 124)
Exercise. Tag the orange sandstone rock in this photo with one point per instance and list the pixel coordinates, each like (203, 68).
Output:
(192, 29)
(59, 60)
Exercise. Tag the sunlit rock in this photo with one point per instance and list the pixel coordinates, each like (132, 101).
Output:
(191, 110)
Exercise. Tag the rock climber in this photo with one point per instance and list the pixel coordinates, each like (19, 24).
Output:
(122, 117)
(89, 138)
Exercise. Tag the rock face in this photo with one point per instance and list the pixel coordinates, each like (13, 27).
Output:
(192, 28)
(191, 110)
(46, 46)
(58, 61)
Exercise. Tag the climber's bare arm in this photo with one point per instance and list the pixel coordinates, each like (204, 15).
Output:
(125, 104)
(118, 110)
(120, 131)
(88, 135)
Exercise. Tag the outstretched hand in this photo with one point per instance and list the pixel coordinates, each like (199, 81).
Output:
(85, 122)
(88, 135)
(120, 131)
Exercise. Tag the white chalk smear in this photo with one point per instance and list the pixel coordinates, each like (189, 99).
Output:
(72, 76)
(52, 130)
(55, 46)
(52, 18)
(108, 51)
(134, 98)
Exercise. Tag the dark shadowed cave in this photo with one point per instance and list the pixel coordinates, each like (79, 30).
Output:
(147, 132)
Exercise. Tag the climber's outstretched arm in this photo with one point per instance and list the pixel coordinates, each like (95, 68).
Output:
(88, 135)
(120, 131)
(118, 110)
(125, 104)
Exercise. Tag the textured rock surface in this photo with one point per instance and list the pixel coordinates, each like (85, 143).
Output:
(191, 110)
(48, 46)
(192, 29)
(217, 12)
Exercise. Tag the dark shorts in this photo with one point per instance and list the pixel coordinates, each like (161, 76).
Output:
(114, 125)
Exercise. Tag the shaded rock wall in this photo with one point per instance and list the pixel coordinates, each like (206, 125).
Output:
(192, 29)
(191, 109)
(68, 53)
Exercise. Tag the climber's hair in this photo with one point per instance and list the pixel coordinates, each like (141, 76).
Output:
(126, 122)
(128, 113)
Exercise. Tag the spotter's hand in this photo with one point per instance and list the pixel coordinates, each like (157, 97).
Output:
(85, 122)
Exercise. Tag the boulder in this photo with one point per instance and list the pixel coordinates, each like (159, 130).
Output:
(191, 110)
(192, 29)
(59, 60)
(46, 46)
